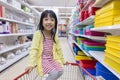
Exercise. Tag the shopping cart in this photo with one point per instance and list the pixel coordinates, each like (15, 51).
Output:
(71, 72)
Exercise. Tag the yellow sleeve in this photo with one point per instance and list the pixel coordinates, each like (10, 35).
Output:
(59, 50)
(34, 49)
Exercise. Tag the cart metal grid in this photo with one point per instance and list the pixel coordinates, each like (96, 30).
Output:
(71, 72)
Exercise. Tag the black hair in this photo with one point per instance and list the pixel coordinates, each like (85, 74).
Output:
(52, 15)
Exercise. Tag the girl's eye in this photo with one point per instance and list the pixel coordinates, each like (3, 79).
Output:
(45, 19)
(52, 19)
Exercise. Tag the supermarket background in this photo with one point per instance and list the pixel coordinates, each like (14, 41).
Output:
(89, 32)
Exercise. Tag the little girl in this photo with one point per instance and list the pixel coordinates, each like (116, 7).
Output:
(45, 51)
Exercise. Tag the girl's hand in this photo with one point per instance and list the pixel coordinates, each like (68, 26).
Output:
(67, 63)
(29, 69)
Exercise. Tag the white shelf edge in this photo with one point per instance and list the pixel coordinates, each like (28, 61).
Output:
(91, 37)
(87, 21)
(12, 61)
(72, 21)
(27, 5)
(107, 28)
(100, 3)
(99, 55)
(10, 20)
(13, 47)
(82, 49)
(14, 34)
(10, 7)
(69, 41)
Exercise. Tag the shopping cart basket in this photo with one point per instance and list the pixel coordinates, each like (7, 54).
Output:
(71, 72)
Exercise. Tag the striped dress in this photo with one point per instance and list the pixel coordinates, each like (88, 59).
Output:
(48, 64)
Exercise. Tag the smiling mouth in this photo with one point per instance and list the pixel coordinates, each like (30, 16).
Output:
(49, 26)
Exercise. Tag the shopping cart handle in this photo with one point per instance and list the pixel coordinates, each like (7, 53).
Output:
(26, 72)
(75, 64)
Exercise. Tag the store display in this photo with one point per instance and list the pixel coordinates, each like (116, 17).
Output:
(9, 55)
(1, 28)
(78, 58)
(88, 45)
(1, 46)
(2, 60)
(21, 39)
(107, 15)
(2, 11)
(104, 72)
(14, 25)
(23, 50)
(89, 64)
(6, 27)
(112, 52)
(80, 53)
(18, 52)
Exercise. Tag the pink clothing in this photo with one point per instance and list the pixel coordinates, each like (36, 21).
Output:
(48, 64)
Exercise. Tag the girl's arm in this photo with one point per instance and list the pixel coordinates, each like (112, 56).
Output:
(34, 49)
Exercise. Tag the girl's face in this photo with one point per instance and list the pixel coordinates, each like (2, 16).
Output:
(48, 23)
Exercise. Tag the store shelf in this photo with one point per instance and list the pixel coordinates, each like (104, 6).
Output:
(15, 34)
(99, 55)
(70, 44)
(88, 21)
(7, 47)
(115, 29)
(107, 28)
(27, 5)
(82, 49)
(13, 47)
(12, 61)
(12, 8)
(19, 22)
(91, 37)
(100, 3)
(72, 22)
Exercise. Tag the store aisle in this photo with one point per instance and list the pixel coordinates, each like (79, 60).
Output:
(19, 67)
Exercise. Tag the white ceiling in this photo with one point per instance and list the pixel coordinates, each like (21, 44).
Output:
(60, 3)
(64, 7)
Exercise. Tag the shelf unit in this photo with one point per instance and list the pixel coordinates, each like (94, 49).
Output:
(12, 61)
(88, 21)
(27, 5)
(72, 22)
(82, 49)
(113, 30)
(91, 37)
(15, 34)
(99, 55)
(24, 25)
(70, 42)
(15, 21)
(100, 3)
(12, 8)
(107, 28)
(14, 47)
